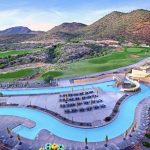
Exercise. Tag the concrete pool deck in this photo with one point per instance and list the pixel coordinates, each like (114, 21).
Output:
(51, 102)
(47, 137)
(19, 121)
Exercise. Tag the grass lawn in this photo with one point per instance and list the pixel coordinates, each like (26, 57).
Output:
(17, 52)
(111, 61)
(12, 76)
(54, 74)
(134, 50)
(105, 63)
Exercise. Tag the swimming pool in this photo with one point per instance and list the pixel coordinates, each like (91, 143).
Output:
(44, 121)
(106, 86)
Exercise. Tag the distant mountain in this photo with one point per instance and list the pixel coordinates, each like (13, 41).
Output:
(60, 33)
(16, 30)
(67, 27)
(17, 34)
(133, 26)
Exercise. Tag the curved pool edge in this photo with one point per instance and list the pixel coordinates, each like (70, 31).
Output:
(142, 99)
(89, 85)
(69, 122)
(67, 142)
(79, 126)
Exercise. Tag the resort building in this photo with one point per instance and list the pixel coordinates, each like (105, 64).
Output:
(139, 73)
(146, 68)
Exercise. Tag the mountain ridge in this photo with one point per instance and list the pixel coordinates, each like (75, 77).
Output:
(60, 33)
(133, 26)
(130, 25)
(67, 27)
(16, 30)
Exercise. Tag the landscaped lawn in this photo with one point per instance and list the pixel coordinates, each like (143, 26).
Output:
(12, 76)
(17, 52)
(53, 74)
(111, 61)
(134, 50)
(108, 62)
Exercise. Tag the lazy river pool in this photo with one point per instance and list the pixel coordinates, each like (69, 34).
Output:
(43, 121)
(106, 86)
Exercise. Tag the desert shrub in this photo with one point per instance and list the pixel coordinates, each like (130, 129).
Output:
(146, 144)
(107, 119)
(1, 94)
(52, 74)
(48, 79)
(148, 135)
(115, 110)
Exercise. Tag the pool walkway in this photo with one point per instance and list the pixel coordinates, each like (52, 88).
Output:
(51, 102)
(47, 137)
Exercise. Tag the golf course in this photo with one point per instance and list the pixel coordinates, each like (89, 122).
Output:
(116, 59)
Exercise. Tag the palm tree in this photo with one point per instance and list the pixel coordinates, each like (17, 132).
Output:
(135, 125)
(19, 139)
(125, 134)
(9, 132)
(106, 141)
(131, 131)
(86, 142)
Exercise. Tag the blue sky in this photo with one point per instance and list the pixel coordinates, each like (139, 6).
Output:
(45, 14)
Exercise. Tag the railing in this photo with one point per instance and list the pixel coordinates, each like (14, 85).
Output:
(117, 78)
(23, 84)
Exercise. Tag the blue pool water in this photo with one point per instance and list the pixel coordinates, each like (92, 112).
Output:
(106, 86)
(44, 121)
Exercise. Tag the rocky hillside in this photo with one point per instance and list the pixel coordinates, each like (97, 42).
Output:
(59, 33)
(67, 28)
(15, 38)
(61, 53)
(17, 34)
(39, 56)
(133, 26)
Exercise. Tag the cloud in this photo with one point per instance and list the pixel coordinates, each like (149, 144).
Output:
(45, 19)
(96, 14)
(8, 13)
(41, 20)
(34, 19)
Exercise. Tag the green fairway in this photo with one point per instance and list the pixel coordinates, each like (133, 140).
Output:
(53, 74)
(17, 52)
(111, 61)
(12, 76)
(134, 50)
